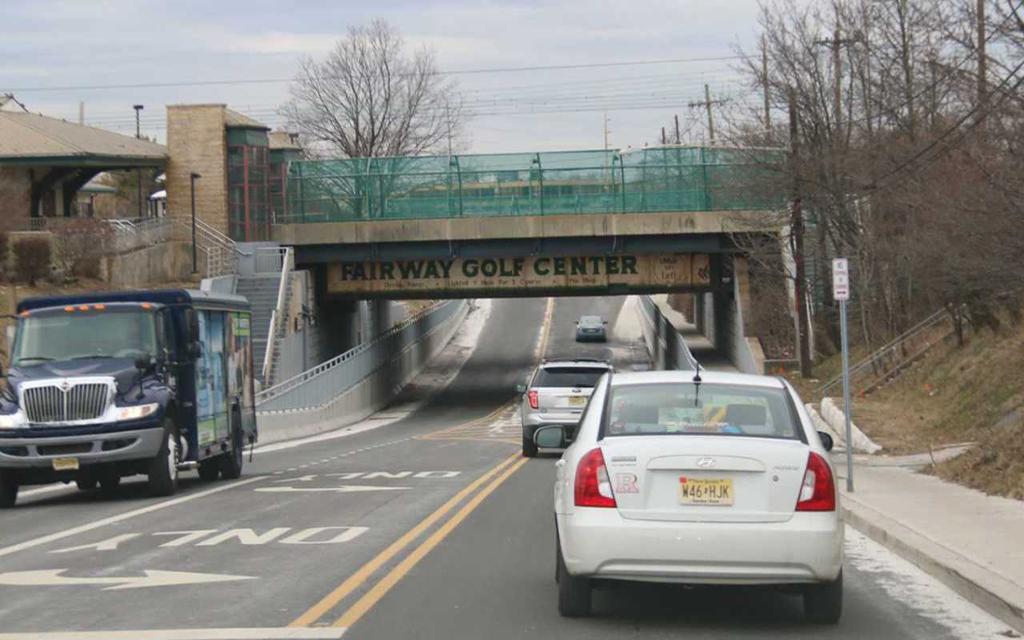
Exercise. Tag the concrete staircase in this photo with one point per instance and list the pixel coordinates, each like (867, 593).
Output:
(261, 291)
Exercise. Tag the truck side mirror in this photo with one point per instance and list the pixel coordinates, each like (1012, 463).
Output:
(195, 349)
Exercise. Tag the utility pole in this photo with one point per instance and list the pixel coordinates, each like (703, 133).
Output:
(837, 73)
(711, 121)
(764, 74)
(663, 141)
(797, 229)
(982, 62)
(448, 121)
(676, 118)
(606, 132)
(81, 112)
(138, 172)
(707, 104)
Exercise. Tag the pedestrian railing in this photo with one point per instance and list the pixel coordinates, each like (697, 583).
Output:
(888, 360)
(668, 178)
(284, 260)
(323, 383)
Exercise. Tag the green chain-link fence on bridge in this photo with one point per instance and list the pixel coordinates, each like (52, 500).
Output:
(654, 179)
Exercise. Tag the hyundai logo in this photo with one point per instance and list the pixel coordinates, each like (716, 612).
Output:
(705, 463)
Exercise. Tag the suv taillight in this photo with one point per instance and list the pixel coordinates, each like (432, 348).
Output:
(532, 397)
(818, 491)
(593, 487)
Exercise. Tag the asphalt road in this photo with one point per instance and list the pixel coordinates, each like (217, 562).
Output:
(428, 527)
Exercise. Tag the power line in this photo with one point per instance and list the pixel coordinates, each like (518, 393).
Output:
(204, 83)
(954, 127)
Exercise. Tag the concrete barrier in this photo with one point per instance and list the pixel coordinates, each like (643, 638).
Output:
(833, 414)
(370, 394)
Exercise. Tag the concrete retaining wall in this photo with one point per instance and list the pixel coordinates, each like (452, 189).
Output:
(371, 394)
(166, 262)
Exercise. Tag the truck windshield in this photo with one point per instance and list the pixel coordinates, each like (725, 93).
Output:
(126, 332)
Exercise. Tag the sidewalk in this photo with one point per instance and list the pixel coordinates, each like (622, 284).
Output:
(971, 542)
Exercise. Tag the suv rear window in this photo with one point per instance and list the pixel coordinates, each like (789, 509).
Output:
(719, 409)
(568, 377)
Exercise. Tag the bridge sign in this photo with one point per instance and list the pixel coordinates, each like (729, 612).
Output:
(532, 274)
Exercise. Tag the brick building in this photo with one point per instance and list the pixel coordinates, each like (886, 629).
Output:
(243, 168)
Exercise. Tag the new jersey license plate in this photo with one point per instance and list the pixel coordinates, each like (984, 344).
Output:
(65, 464)
(714, 492)
(577, 401)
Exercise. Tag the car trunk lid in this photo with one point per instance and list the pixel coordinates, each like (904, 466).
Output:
(701, 478)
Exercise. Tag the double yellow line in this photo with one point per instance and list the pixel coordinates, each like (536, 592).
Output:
(490, 481)
(496, 476)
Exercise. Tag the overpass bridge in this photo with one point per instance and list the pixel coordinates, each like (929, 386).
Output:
(651, 220)
(559, 223)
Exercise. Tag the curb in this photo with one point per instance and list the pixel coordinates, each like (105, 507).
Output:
(924, 554)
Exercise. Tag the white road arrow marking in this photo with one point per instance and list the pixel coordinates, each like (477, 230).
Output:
(153, 578)
(351, 488)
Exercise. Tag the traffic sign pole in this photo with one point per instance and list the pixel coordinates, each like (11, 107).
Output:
(841, 292)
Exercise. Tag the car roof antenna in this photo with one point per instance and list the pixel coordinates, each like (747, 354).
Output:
(696, 385)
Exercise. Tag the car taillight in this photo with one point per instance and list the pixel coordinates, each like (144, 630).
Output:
(532, 397)
(818, 491)
(593, 487)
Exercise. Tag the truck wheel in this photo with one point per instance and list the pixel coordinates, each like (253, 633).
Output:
(232, 461)
(209, 469)
(8, 491)
(163, 468)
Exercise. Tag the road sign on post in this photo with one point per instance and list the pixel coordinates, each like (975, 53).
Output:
(841, 292)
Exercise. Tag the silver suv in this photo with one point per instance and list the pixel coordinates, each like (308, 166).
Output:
(557, 394)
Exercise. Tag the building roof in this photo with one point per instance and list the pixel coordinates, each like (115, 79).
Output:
(283, 140)
(234, 119)
(30, 138)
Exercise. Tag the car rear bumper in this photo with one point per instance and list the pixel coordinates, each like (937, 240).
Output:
(596, 336)
(96, 448)
(600, 543)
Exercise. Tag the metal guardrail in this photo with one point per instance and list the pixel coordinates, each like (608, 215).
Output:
(283, 259)
(677, 354)
(323, 383)
(888, 358)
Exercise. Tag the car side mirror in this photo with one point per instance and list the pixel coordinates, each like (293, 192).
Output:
(520, 388)
(550, 437)
(826, 440)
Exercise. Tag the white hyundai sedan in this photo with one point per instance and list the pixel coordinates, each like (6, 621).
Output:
(714, 478)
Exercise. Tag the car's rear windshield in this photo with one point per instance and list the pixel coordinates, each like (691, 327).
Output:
(683, 409)
(568, 377)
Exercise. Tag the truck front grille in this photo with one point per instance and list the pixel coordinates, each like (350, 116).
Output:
(54, 403)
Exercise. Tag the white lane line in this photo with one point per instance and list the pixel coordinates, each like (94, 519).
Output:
(121, 517)
(241, 633)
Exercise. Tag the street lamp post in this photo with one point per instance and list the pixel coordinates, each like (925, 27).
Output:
(138, 135)
(192, 183)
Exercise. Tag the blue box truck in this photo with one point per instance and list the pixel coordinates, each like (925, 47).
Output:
(108, 385)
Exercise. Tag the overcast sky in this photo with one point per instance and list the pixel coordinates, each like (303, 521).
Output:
(89, 43)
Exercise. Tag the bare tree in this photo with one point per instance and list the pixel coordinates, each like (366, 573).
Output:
(370, 98)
